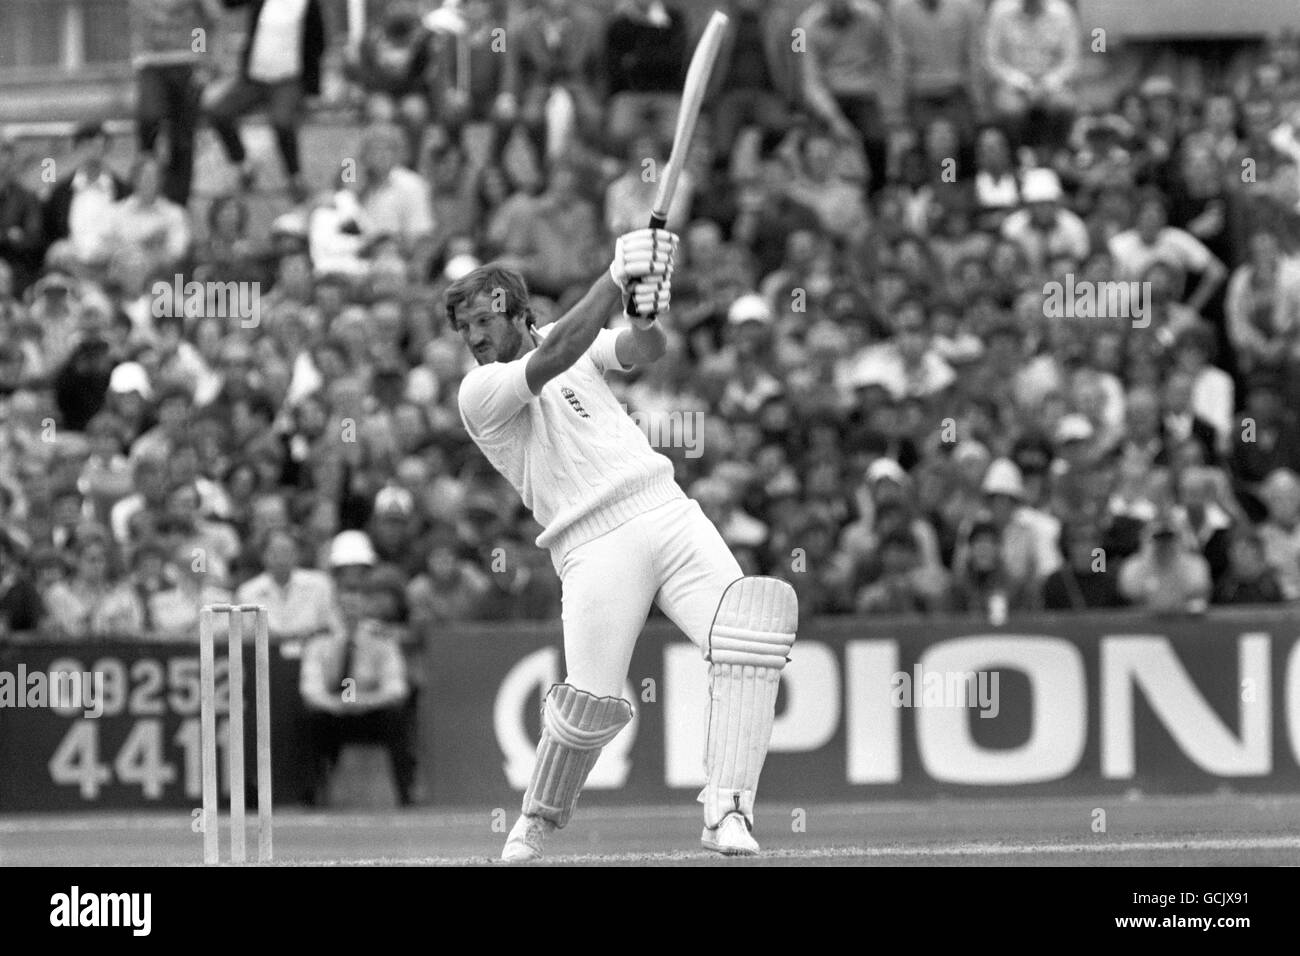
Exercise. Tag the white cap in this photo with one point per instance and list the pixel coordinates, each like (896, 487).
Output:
(1040, 185)
(130, 377)
(1004, 478)
(351, 547)
(751, 307)
(1073, 427)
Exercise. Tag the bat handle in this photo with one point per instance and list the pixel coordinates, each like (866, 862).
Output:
(656, 222)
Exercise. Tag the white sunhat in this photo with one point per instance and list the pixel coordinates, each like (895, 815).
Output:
(350, 548)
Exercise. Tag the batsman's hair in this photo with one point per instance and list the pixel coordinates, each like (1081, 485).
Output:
(487, 280)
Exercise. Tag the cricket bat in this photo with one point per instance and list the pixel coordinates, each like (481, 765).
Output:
(697, 83)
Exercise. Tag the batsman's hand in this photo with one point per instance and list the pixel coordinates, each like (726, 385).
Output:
(643, 268)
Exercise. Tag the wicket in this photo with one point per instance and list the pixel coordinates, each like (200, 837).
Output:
(235, 744)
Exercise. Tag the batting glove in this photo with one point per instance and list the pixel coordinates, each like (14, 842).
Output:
(642, 254)
(647, 298)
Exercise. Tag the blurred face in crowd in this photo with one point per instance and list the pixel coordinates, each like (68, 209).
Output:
(819, 157)
(1220, 115)
(1150, 220)
(92, 562)
(183, 504)
(280, 556)
(991, 151)
(1083, 540)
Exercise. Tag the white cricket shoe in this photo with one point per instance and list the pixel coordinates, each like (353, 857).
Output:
(525, 840)
(731, 837)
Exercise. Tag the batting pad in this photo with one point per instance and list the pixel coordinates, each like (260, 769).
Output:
(575, 726)
(752, 633)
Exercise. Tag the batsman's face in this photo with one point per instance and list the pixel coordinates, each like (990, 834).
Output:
(491, 335)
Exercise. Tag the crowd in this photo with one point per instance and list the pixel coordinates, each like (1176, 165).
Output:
(868, 387)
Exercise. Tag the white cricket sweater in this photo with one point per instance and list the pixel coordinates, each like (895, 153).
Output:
(578, 460)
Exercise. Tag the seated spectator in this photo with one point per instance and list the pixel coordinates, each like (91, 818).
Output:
(997, 188)
(449, 589)
(80, 204)
(1272, 440)
(1262, 306)
(1167, 574)
(354, 685)
(752, 79)
(1248, 579)
(395, 202)
(1030, 548)
(897, 591)
(629, 196)
(942, 43)
(300, 601)
(1043, 229)
(1213, 397)
(148, 224)
(814, 181)
(1280, 530)
(20, 221)
(21, 607)
(983, 585)
(1084, 580)
(93, 602)
(1203, 496)
(1032, 56)
(556, 246)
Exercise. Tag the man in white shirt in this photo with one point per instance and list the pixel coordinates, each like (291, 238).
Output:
(1152, 240)
(300, 602)
(622, 535)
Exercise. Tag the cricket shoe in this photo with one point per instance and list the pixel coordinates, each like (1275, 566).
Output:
(731, 837)
(526, 838)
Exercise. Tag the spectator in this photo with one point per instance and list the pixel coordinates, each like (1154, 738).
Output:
(984, 585)
(20, 222)
(392, 63)
(1042, 229)
(1280, 531)
(92, 603)
(1263, 307)
(354, 685)
(1032, 55)
(450, 588)
(629, 196)
(395, 202)
(21, 607)
(300, 601)
(645, 64)
(1249, 579)
(80, 204)
(149, 225)
(852, 75)
(897, 591)
(1153, 240)
(168, 79)
(279, 66)
(942, 45)
(556, 247)
(1084, 580)
(554, 82)
(1167, 575)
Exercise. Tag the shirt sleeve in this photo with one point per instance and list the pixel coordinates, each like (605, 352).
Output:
(604, 353)
(491, 395)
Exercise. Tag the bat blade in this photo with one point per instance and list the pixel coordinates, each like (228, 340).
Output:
(697, 83)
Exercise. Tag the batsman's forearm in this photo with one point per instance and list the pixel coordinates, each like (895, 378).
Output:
(577, 329)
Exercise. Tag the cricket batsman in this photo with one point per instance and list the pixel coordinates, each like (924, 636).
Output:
(622, 534)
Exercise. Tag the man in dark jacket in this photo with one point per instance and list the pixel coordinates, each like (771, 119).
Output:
(279, 66)
(77, 208)
(20, 222)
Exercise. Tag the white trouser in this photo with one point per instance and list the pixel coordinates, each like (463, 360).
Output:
(671, 555)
